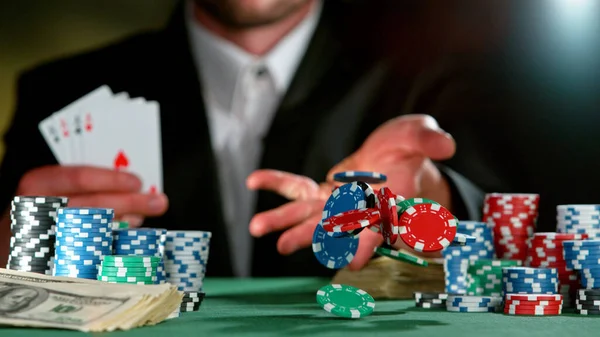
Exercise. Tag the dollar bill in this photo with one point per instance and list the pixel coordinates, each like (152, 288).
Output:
(35, 300)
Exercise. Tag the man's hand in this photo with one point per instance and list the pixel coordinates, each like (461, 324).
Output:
(402, 149)
(95, 187)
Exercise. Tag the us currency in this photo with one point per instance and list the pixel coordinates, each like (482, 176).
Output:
(35, 300)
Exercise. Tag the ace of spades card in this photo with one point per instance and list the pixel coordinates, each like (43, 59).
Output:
(124, 135)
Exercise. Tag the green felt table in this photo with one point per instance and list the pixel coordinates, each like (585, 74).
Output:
(287, 307)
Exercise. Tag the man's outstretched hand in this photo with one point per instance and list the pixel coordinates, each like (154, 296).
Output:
(402, 148)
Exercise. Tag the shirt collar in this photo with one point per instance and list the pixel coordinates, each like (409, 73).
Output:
(221, 63)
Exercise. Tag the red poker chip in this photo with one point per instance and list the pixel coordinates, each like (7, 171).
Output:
(538, 312)
(534, 297)
(559, 236)
(351, 220)
(389, 215)
(542, 303)
(427, 227)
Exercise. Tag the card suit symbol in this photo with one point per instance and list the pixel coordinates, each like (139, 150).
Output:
(152, 189)
(77, 125)
(121, 160)
(88, 122)
(65, 130)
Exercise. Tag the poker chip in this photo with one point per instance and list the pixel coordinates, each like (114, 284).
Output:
(513, 218)
(352, 220)
(120, 225)
(33, 233)
(345, 301)
(386, 203)
(371, 202)
(345, 198)
(333, 252)
(400, 256)
(427, 227)
(142, 241)
(81, 243)
(430, 300)
(404, 204)
(464, 303)
(484, 276)
(128, 269)
(185, 259)
(191, 301)
(367, 177)
(462, 240)
(527, 280)
(533, 304)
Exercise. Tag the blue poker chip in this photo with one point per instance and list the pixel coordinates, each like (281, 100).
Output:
(85, 211)
(136, 232)
(332, 252)
(344, 198)
(462, 240)
(367, 177)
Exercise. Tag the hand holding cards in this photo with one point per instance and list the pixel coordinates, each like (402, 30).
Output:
(108, 130)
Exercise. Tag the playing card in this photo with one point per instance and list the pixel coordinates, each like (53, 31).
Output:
(126, 136)
(50, 130)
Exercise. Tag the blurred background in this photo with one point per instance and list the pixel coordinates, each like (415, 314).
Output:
(35, 31)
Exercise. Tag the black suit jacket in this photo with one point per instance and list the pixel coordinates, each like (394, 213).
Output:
(349, 82)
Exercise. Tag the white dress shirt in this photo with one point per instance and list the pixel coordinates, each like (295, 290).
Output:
(242, 93)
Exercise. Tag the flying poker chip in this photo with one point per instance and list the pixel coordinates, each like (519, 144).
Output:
(345, 301)
(427, 227)
(405, 204)
(401, 256)
(367, 177)
(344, 198)
(386, 202)
(351, 220)
(333, 252)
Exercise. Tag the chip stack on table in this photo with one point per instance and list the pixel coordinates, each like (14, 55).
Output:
(186, 259)
(462, 303)
(578, 219)
(345, 301)
(513, 217)
(457, 257)
(546, 251)
(584, 257)
(128, 269)
(33, 228)
(539, 285)
(484, 276)
(83, 237)
(142, 241)
(588, 302)
(430, 300)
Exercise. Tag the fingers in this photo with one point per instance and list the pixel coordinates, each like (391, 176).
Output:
(367, 243)
(124, 203)
(298, 237)
(285, 216)
(288, 185)
(69, 180)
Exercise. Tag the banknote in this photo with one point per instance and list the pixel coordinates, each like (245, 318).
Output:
(35, 300)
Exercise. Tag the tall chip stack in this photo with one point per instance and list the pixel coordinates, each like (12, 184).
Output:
(142, 241)
(531, 291)
(186, 259)
(546, 251)
(33, 228)
(584, 257)
(83, 237)
(513, 217)
(457, 257)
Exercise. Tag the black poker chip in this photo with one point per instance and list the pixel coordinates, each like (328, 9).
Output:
(41, 199)
(191, 300)
(587, 312)
(34, 208)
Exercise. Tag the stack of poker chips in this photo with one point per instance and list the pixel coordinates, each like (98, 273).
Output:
(535, 283)
(461, 303)
(584, 257)
(83, 237)
(191, 301)
(457, 257)
(430, 300)
(186, 258)
(513, 217)
(588, 302)
(142, 241)
(546, 251)
(578, 219)
(128, 269)
(484, 276)
(33, 220)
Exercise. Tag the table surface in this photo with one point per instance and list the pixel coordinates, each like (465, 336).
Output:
(287, 307)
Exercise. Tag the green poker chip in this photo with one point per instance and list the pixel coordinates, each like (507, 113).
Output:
(121, 270)
(128, 279)
(345, 301)
(401, 256)
(402, 206)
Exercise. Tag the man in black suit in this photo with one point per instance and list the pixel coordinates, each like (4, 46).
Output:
(295, 86)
